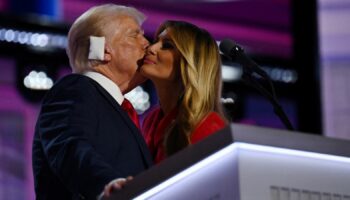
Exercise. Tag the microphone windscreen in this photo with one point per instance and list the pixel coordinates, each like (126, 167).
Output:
(226, 46)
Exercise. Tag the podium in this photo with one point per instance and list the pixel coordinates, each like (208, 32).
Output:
(244, 162)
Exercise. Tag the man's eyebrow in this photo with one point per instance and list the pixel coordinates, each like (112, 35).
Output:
(137, 30)
(141, 31)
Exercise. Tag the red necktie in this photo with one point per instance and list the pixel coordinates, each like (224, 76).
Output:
(127, 106)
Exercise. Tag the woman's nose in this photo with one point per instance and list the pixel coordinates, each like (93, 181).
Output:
(151, 49)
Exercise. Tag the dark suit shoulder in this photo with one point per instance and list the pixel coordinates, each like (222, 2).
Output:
(73, 80)
(72, 86)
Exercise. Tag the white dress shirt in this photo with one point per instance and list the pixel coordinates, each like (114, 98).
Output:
(107, 84)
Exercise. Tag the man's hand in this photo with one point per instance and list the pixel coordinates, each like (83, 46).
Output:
(116, 184)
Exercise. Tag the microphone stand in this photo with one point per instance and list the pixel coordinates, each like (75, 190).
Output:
(278, 110)
(236, 53)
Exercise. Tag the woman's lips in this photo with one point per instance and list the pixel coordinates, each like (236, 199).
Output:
(147, 61)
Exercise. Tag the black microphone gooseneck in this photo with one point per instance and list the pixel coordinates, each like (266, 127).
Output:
(236, 53)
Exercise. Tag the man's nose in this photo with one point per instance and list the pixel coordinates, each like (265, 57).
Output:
(145, 42)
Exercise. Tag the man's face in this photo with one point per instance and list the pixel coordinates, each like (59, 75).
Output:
(128, 49)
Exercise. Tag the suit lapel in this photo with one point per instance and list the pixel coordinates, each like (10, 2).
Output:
(134, 130)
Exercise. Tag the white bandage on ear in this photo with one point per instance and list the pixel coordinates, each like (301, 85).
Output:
(97, 48)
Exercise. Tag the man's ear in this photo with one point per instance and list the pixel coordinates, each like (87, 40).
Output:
(108, 54)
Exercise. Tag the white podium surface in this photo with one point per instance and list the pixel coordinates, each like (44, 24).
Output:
(250, 163)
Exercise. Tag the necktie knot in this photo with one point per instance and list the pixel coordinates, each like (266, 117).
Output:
(127, 106)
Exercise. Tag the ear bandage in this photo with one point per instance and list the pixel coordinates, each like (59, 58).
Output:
(97, 48)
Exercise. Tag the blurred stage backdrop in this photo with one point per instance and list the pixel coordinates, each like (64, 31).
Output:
(303, 45)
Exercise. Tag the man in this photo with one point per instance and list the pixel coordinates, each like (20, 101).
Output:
(83, 138)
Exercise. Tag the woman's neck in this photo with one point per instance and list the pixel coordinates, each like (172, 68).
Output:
(168, 94)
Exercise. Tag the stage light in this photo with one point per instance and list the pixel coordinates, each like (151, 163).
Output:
(23, 37)
(231, 73)
(38, 81)
(35, 39)
(139, 98)
(35, 78)
(9, 35)
(227, 100)
(279, 74)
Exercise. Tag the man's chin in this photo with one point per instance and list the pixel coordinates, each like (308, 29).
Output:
(139, 64)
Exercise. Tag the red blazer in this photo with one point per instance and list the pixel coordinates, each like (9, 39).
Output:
(155, 124)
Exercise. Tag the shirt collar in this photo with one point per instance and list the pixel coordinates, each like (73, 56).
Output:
(107, 84)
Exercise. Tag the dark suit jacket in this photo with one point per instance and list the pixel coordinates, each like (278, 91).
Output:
(83, 139)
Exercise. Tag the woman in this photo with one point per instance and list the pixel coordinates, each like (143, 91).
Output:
(184, 65)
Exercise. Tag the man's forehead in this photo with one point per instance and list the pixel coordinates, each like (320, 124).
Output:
(126, 21)
(131, 25)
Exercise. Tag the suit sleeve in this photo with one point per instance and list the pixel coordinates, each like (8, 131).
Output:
(66, 122)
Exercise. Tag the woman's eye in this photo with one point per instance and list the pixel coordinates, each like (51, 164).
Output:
(167, 45)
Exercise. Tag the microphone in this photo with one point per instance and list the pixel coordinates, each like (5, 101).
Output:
(236, 53)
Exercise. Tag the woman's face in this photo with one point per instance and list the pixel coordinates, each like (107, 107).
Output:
(161, 62)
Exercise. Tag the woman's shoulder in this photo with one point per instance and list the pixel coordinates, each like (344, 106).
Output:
(211, 123)
(215, 117)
